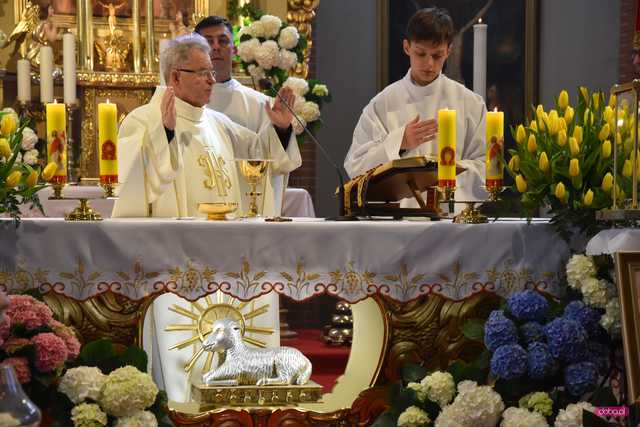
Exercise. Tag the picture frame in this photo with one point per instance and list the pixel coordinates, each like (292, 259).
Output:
(628, 275)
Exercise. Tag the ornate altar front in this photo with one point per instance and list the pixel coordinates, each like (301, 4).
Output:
(411, 293)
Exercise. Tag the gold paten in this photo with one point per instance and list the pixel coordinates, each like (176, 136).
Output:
(217, 211)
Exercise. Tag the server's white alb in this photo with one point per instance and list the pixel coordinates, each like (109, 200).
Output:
(378, 134)
(245, 106)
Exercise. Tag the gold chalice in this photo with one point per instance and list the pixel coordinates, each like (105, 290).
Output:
(217, 211)
(253, 171)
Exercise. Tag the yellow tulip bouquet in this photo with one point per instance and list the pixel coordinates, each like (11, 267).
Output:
(563, 159)
(19, 181)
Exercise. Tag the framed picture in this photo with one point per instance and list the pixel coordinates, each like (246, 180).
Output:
(628, 273)
(512, 78)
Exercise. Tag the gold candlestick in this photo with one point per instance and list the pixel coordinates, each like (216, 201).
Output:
(83, 212)
(108, 189)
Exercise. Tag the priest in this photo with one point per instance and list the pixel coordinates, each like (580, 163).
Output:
(176, 153)
(401, 120)
(247, 106)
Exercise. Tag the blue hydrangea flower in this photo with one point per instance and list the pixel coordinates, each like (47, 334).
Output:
(599, 355)
(567, 339)
(531, 332)
(580, 378)
(539, 361)
(528, 305)
(509, 362)
(499, 331)
(587, 316)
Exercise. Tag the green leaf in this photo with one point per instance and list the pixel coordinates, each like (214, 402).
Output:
(591, 420)
(473, 329)
(97, 352)
(413, 373)
(461, 371)
(135, 356)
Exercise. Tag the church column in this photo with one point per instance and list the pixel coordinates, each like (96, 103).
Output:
(135, 15)
(151, 42)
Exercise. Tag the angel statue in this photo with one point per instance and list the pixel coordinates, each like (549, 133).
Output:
(177, 27)
(23, 33)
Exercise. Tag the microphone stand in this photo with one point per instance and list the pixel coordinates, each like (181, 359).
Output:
(268, 85)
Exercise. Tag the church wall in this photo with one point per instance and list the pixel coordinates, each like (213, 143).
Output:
(579, 45)
(346, 42)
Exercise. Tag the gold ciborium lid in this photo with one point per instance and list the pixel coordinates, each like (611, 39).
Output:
(217, 211)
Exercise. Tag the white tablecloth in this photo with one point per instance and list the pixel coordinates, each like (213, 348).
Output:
(297, 202)
(614, 240)
(402, 260)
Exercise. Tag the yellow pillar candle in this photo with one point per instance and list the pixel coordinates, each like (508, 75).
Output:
(108, 142)
(447, 148)
(495, 147)
(57, 140)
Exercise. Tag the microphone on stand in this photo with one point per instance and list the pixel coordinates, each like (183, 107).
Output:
(266, 84)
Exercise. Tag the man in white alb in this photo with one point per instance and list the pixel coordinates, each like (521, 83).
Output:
(400, 121)
(173, 154)
(247, 106)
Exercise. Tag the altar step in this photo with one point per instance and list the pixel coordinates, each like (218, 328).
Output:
(328, 362)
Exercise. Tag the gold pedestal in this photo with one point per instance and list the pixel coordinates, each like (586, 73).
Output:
(57, 192)
(83, 212)
(211, 397)
(470, 215)
(108, 190)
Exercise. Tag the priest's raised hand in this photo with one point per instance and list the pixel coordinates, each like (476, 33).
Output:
(417, 132)
(279, 114)
(168, 109)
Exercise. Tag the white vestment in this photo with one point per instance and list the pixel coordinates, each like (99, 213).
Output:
(378, 134)
(168, 179)
(246, 107)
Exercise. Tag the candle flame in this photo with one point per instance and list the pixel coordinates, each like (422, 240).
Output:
(107, 100)
(479, 20)
(495, 109)
(55, 101)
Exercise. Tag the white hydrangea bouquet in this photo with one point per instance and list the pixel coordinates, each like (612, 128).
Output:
(120, 399)
(270, 48)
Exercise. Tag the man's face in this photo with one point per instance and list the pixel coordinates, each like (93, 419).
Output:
(222, 49)
(193, 80)
(427, 59)
(635, 60)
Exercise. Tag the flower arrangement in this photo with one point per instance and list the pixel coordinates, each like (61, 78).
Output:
(108, 386)
(19, 164)
(546, 362)
(270, 48)
(563, 159)
(34, 343)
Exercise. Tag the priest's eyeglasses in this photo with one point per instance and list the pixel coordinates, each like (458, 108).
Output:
(200, 73)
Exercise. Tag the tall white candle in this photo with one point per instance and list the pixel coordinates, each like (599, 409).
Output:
(480, 59)
(46, 74)
(24, 80)
(164, 43)
(69, 63)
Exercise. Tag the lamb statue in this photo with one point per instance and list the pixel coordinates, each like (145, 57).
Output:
(243, 365)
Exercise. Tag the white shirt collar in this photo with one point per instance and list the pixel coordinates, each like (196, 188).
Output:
(183, 109)
(422, 90)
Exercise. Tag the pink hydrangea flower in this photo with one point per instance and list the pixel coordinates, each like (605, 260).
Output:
(14, 344)
(69, 338)
(26, 310)
(21, 366)
(51, 351)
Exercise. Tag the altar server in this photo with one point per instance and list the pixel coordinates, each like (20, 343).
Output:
(247, 106)
(174, 153)
(401, 120)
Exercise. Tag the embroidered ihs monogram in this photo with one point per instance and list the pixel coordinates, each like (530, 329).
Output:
(217, 176)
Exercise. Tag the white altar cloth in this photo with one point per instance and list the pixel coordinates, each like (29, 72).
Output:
(297, 202)
(192, 258)
(613, 241)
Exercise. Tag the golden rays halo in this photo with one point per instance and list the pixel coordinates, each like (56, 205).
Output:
(204, 312)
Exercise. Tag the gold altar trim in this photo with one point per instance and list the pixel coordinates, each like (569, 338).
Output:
(105, 79)
(210, 397)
